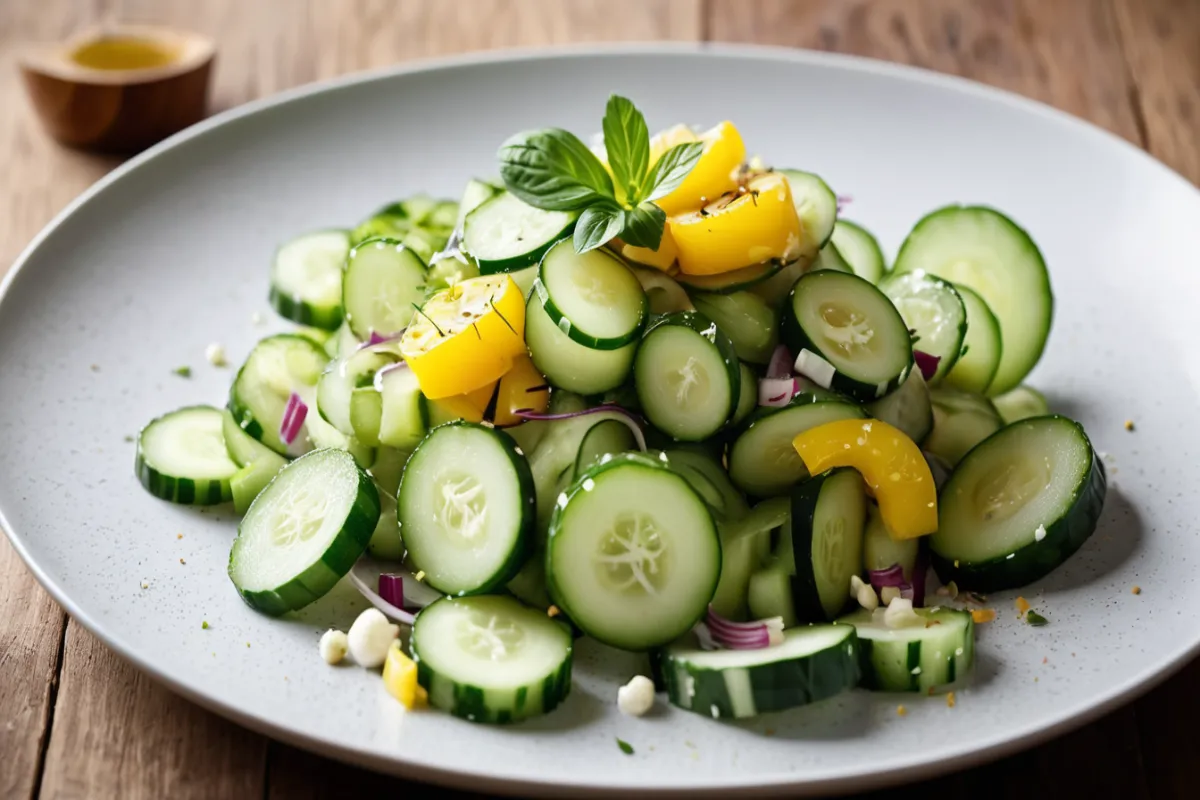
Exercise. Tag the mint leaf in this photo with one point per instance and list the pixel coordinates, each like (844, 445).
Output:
(1035, 619)
(596, 225)
(643, 226)
(670, 170)
(552, 170)
(625, 746)
(627, 141)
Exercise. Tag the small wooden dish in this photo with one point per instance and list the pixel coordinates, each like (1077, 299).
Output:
(120, 88)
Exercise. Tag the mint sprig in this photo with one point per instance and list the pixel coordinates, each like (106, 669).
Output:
(553, 170)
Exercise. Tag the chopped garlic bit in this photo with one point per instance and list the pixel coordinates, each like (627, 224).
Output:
(333, 645)
(1040, 533)
(856, 583)
(370, 637)
(888, 593)
(900, 614)
(866, 597)
(636, 697)
(215, 353)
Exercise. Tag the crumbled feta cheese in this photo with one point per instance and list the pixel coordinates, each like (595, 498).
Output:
(866, 597)
(256, 318)
(856, 584)
(815, 368)
(636, 697)
(900, 614)
(215, 353)
(370, 637)
(1040, 533)
(334, 645)
(888, 593)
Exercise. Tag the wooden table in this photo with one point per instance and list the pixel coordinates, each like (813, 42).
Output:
(76, 721)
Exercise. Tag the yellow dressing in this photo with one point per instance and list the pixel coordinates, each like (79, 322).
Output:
(124, 53)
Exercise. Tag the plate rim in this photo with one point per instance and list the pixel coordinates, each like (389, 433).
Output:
(922, 767)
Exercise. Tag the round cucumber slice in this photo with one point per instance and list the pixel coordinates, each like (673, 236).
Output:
(829, 513)
(592, 297)
(384, 283)
(182, 457)
(933, 310)
(860, 249)
(276, 367)
(306, 279)
(982, 347)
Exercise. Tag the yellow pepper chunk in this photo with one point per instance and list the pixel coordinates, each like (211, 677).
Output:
(466, 337)
(714, 173)
(756, 223)
(663, 258)
(521, 388)
(469, 406)
(400, 678)
(891, 464)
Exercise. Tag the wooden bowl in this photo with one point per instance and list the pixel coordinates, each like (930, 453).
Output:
(156, 85)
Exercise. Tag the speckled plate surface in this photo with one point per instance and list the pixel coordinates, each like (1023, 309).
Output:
(171, 251)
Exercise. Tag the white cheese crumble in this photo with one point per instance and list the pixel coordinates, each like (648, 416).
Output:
(1040, 533)
(866, 597)
(887, 594)
(333, 646)
(636, 697)
(900, 614)
(215, 353)
(856, 583)
(815, 368)
(370, 637)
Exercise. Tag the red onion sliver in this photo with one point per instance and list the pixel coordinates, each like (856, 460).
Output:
(780, 365)
(928, 364)
(377, 381)
(743, 635)
(391, 589)
(843, 200)
(376, 339)
(294, 415)
(892, 576)
(398, 614)
(776, 392)
(631, 420)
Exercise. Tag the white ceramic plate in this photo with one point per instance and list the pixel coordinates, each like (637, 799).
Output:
(171, 251)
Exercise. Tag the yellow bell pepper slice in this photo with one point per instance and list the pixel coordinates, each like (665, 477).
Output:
(469, 406)
(891, 464)
(713, 175)
(466, 337)
(663, 258)
(755, 224)
(400, 679)
(522, 388)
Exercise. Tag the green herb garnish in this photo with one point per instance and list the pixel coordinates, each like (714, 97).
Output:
(625, 746)
(553, 170)
(204, 625)
(1035, 619)
(183, 372)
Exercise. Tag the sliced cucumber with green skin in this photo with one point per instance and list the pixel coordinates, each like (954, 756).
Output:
(934, 311)
(1021, 403)
(687, 376)
(847, 322)
(276, 367)
(830, 258)
(304, 532)
(812, 663)
(829, 513)
(592, 297)
(816, 205)
(860, 249)
(633, 555)
(529, 584)
(984, 250)
(960, 421)
(606, 438)
(751, 324)
(366, 413)
(776, 289)
(244, 449)
(447, 269)
(387, 467)
(504, 234)
(733, 281)
(491, 659)
(385, 541)
(908, 408)
(466, 508)
(916, 659)
(182, 457)
(567, 364)
(707, 476)
(249, 481)
(762, 461)
(881, 551)
(476, 193)
(769, 594)
(404, 413)
(339, 380)
(1018, 505)
(320, 434)
(306, 279)
(747, 396)
(663, 293)
(342, 342)
(384, 283)
(739, 560)
(982, 347)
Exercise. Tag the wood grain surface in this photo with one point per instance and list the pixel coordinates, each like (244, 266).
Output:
(78, 722)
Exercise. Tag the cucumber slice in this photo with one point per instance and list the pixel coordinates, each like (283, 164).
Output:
(751, 325)
(984, 250)
(385, 541)
(909, 408)
(447, 269)
(664, 295)
(182, 457)
(592, 297)
(816, 204)
(982, 347)
(366, 414)
(249, 482)
(732, 281)
(607, 437)
(403, 413)
(466, 508)
(306, 279)
(243, 449)
(504, 234)
(814, 662)
(739, 560)
(762, 461)
(829, 513)
(633, 555)
(276, 367)
(1018, 505)
(339, 380)
(747, 395)
(387, 467)
(304, 532)
(384, 282)
(769, 594)
(1021, 403)
(568, 364)
(853, 326)
(776, 289)
(687, 376)
(320, 434)
(933, 309)
(830, 258)
(707, 476)
(476, 193)
(917, 659)
(491, 659)
(859, 248)
(960, 421)
(881, 551)
(529, 584)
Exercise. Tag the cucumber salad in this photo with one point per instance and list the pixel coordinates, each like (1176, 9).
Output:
(653, 392)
